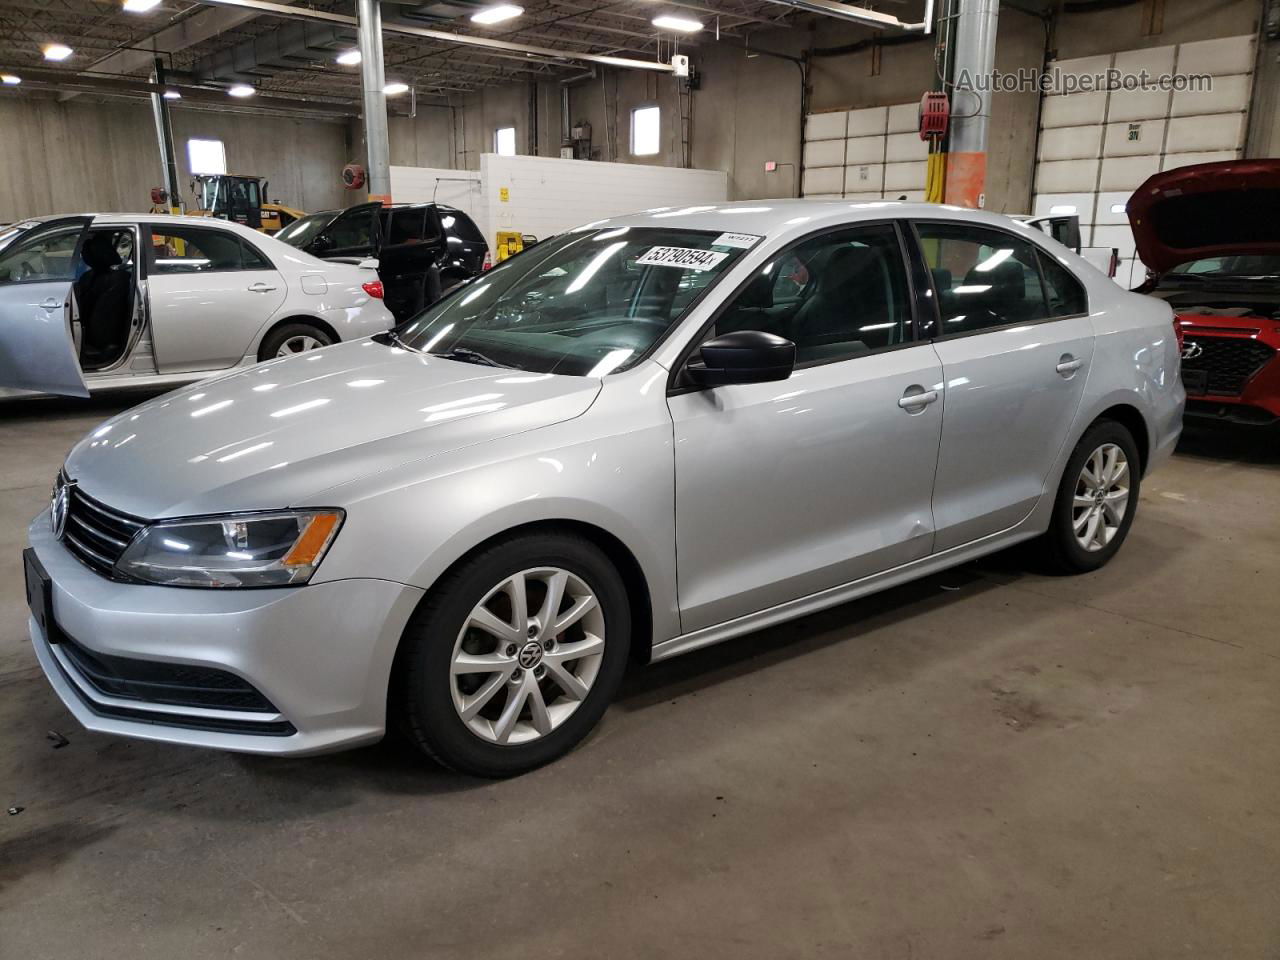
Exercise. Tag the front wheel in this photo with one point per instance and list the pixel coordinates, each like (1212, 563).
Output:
(514, 656)
(1097, 500)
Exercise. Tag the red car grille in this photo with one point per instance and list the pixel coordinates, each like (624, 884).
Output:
(1228, 362)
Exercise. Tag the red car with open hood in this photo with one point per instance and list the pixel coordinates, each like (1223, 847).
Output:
(1210, 234)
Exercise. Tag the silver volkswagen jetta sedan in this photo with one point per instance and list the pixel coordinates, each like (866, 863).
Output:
(641, 437)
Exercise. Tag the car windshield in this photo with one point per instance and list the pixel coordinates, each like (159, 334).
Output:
(1253, 265)
(303, 231)
(586, 303)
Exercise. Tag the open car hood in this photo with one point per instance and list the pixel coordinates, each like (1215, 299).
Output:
(1207, 210)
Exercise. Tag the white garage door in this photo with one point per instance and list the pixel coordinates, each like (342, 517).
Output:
(871, 154)
(1097, 148)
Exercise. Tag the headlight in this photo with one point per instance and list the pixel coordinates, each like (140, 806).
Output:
(255, 550)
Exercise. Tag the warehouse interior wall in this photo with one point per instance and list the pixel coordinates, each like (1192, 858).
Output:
(77, 155)
(746, 111)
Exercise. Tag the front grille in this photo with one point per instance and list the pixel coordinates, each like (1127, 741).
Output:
(156, 682)
(1229, 362)
(95, 534)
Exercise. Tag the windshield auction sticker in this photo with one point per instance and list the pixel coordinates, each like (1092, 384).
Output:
(685, 258)
(743, 241)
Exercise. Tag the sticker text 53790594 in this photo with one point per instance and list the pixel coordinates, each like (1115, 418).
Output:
(685, 258)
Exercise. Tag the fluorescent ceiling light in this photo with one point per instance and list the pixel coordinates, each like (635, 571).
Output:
(679, 24)
(11, 79)
(140, 6)
(172, 95)
(56, 51)
(348, 58)
(242, 90)
(394, 87)
(497, 13)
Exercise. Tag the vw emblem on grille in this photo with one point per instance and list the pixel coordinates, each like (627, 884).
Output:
(58, 507)
(1191, 350)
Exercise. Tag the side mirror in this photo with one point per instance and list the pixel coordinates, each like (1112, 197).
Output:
(744, 356)
(322, 243)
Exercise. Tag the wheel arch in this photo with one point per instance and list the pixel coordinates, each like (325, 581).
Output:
(620, 555)
(308, 319)
(1131, 418)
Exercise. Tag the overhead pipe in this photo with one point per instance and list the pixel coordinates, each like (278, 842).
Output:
(164, 136)
(488, 43)
(859, 15)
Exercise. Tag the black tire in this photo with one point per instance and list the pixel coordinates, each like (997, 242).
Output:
(421, 705)
(274, 340)
(1060, 551)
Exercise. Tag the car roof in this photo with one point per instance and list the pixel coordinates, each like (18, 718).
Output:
(793, 216)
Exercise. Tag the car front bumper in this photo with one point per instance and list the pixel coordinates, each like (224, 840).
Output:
(320, 655)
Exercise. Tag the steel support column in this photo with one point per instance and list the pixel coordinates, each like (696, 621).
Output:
(372, 81)
(972, 66)
(164, 136)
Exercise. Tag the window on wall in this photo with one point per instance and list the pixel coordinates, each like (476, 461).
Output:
(645, 124)
(504, 141)
(206, 156)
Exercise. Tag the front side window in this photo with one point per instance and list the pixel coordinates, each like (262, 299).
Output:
(305, 229)
(835, 296)
(585, 304)
(983, 278)
(48, 256)
(195, 250)
(351, 232)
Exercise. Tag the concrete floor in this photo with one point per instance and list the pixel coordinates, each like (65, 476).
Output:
(985, 764)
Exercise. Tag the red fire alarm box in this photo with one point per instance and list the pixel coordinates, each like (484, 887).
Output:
(935, 114)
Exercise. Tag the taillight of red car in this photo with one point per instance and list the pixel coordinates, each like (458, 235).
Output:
(373, 288)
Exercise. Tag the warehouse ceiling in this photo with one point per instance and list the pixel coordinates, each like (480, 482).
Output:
(214, 46)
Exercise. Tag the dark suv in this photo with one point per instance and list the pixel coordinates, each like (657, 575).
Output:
(423, 249)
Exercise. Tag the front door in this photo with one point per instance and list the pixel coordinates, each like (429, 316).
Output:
(37, 268)
(1015, 341)
(210, 292)
(790, 488)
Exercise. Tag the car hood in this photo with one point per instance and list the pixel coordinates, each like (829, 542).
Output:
(280, 433)
(1207, 210)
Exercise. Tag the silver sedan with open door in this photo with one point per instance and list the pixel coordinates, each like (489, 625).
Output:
(96, 302)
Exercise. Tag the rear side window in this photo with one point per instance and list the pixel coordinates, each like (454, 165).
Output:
(1065, 293)
(984, 278)
(405, 225)
(460, 225)
(253, 258)
(196, 250)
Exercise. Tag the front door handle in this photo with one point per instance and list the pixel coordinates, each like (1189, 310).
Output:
(1068, 365)
(260, 287)
(909, 401)
(51, 304)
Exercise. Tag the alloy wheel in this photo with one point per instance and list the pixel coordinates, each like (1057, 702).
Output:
(299, 344)
(1101, 497)
(527, 655)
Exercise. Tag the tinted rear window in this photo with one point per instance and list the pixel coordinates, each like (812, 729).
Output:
(459, 224)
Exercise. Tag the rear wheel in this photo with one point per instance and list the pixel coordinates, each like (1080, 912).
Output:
(1097, 500)
(515, 655)
(293, 338)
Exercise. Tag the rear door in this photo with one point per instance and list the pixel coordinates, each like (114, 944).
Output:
(37, 268)
(210, 292)
(1015, 341)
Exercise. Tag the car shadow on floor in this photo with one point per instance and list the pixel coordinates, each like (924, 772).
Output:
(1256, 446)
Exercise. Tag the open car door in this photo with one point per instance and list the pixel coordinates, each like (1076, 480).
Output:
(354, 234)
(37, 268)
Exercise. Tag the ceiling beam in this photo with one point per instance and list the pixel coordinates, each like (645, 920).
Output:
(861, 15)
(497, 47)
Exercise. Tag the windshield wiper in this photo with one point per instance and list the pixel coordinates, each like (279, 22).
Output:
(466, 355)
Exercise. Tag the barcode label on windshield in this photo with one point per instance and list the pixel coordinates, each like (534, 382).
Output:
(686, 258)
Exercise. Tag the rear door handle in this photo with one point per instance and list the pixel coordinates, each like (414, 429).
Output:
(260, 287)
(923, 399)
(1069, 364)
(51, 304)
